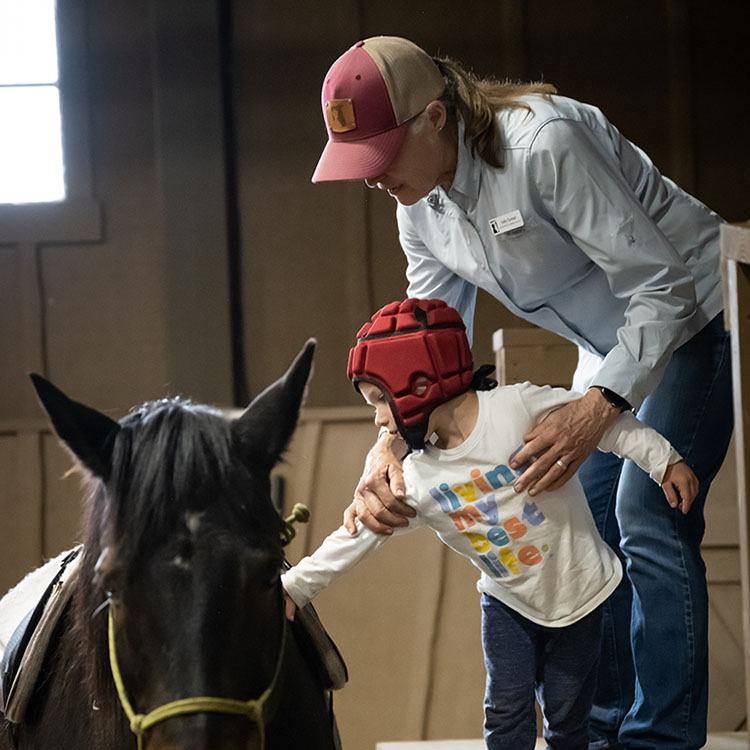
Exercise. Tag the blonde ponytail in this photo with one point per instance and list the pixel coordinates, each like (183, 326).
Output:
(477, 100)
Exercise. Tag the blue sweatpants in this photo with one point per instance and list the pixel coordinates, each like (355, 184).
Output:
(524, 659)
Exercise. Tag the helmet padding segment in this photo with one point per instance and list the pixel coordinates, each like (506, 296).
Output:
(417, 353)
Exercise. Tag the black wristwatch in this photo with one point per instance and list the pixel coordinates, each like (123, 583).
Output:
(614, 398)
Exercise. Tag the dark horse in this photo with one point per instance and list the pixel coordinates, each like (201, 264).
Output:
(183, 546)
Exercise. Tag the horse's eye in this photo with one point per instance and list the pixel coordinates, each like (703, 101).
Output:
(180, 562)
(107, 573)
(182, 554)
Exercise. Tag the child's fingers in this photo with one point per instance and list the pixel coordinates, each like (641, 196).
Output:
(688, 494)
(290, 608)
(687, 500)
(670, 493)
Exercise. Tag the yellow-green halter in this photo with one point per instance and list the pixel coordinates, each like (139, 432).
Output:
(252, 709)
(139, 723)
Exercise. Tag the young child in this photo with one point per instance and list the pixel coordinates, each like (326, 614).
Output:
(544, 568)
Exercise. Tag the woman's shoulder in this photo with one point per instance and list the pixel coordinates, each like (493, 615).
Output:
(521, 125)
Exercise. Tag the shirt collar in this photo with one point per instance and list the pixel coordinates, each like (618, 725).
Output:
(467, 176)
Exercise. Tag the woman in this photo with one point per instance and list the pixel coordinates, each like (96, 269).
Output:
(541, 202)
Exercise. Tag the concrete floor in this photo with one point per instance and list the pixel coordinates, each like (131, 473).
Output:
(719, 741)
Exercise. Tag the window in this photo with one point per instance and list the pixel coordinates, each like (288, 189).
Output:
(31, 152)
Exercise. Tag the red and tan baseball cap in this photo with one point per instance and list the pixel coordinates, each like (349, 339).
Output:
(369, 95)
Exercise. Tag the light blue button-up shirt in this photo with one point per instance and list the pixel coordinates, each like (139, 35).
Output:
(604, 250)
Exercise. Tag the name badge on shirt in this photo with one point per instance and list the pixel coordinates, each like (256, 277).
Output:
(509, 222)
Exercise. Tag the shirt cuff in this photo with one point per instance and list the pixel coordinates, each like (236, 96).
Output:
(294, 591)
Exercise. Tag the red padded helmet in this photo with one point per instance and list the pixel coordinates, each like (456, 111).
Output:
(417, 353)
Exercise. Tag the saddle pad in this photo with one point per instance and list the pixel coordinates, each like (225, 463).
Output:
(25, 652)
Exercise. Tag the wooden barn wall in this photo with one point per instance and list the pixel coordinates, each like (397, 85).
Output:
(194, 256)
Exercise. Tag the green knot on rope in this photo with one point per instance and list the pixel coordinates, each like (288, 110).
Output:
(136, 724)
(300, 514)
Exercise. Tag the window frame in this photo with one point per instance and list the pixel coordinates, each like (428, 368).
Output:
(78, 217)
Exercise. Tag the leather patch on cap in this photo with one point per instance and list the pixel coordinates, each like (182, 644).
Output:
(340, 115)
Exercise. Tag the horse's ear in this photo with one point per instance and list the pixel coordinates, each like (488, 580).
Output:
(88, 434)
(266, 426)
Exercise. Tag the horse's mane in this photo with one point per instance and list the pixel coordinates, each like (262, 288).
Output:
(170, 458)
(173, 457)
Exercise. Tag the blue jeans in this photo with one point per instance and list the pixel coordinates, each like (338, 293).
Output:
(524, 659)
(653, 674)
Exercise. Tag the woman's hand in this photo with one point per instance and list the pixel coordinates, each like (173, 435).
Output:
(379, 498)
(679, 478)
(559, 444)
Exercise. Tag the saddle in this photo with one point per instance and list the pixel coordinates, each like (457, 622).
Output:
(27, 647)
(315, 642)
(318, 646)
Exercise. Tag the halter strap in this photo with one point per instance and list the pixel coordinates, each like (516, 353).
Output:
(253, 709)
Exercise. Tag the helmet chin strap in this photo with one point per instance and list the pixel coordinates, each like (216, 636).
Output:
(414, 438)
(414, 435)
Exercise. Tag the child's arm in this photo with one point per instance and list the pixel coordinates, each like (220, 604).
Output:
(630, 438)
(338, 553)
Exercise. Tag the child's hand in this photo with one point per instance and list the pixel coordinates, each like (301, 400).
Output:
(679, 478)
(290, 608)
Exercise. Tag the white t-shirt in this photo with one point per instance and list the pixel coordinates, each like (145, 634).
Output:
(542, 556)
